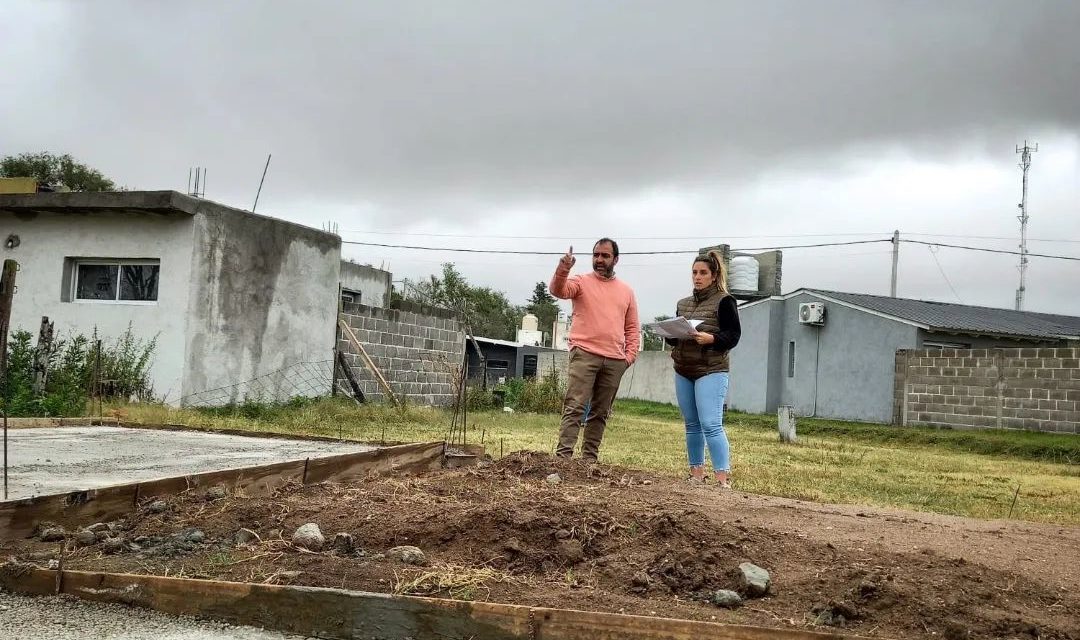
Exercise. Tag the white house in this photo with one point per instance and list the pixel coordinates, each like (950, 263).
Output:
(229, 295)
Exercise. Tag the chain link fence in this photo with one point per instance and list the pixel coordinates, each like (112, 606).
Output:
(303, 379)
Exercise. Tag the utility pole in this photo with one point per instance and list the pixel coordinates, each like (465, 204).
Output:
(895, 260)
(1025, 164)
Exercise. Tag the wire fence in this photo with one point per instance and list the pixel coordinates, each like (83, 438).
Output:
(303, 379)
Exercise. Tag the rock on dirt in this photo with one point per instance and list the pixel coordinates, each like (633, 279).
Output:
(244, 537)
(85, 538)
(726, 598)
(344, 544)
(570, 551)
(408, 555)
(216, 493)
(755, 579)
(553, 479)
(49, 532)
(157, 506)
(836, 613)
(310, 537)
(113, 545)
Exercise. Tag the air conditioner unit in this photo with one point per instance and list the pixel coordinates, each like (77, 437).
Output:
(812, 313)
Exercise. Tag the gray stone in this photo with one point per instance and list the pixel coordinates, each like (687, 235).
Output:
(96, 527)
(52, 534)
(309, 537)
(755, 579)
(344, 544)
(157, 506)
(113, 545)
(408, 555)
(245, 536)
(727, 599)
(553, 479)
(85, 537)
(196, 536)
(216, 493)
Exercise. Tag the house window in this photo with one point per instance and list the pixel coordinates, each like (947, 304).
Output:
(791, 359)
(116, 280)
(349, 296)
(498, 364)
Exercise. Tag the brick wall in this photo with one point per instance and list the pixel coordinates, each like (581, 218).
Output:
(418, 349)
(1032, 389)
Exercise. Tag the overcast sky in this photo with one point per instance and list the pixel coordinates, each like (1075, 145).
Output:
(667, 125)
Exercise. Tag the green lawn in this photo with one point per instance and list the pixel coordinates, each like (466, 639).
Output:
(970, 473)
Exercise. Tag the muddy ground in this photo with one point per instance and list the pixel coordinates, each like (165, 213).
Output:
(610, 539)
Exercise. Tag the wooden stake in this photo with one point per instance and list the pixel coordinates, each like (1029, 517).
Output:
(369, 362)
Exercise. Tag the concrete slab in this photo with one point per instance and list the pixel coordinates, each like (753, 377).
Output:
(61, 459)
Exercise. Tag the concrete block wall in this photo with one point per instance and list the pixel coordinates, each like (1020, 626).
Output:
(418, 349)
(1034, 389)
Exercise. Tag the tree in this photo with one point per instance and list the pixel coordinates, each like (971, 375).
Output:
(651, 342)
(542, 305)
(487, 311)
(52, 169)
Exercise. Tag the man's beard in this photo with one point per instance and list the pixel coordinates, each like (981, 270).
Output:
(604, 270)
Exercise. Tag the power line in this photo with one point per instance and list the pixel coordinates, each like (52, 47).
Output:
(953, 235)
(988, 250)
(620, 238)
(933, 254)
(625, 253)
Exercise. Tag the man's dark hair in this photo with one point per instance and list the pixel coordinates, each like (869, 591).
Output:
(614, 245)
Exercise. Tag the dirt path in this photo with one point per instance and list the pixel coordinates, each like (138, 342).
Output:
(612, 539)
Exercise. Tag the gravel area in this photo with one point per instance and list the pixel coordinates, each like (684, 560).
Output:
(67, 618)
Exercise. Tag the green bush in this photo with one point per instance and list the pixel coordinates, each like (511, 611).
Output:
(124, 365)
(544, 395)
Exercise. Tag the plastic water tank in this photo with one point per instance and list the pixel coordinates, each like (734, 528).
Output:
(744, 274)
(530, 322)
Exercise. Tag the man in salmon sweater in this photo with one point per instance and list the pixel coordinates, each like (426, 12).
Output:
(604, 341)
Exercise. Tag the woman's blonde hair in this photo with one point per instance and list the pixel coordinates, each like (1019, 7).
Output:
(716, 265)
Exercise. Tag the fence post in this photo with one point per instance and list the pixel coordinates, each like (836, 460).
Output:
(7, 294)
(785, 420)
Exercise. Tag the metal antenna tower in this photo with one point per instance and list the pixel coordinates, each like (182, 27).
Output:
(1025, 164)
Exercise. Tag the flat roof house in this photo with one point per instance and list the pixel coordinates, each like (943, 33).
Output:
(228, 294)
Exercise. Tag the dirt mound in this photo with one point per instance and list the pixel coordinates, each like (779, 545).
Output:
(598, 538)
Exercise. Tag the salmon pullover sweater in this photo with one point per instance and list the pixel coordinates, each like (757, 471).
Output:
(605, 317)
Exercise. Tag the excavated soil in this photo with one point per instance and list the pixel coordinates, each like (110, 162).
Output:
(611, 539)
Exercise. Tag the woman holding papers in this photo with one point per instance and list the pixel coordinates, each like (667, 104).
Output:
(702, 363)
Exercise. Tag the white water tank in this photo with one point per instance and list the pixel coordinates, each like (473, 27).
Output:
(530, 322)
(744, 274)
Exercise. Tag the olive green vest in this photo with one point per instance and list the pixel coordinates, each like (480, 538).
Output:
(693, 360)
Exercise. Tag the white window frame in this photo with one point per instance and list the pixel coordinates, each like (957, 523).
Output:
(119, 263)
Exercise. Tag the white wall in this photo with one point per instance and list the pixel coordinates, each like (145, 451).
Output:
(373, 284)
(263, 298)
(47, 238)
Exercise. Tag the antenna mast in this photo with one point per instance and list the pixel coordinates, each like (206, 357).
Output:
(1025, 164)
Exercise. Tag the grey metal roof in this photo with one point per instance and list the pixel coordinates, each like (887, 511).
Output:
(959, 318)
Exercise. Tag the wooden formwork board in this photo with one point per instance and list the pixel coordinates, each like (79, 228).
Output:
(18, 518)
(349, 615)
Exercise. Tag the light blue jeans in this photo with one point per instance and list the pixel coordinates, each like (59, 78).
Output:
(702, 404)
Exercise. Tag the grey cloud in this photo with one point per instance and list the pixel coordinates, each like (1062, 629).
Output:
(394, 103)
